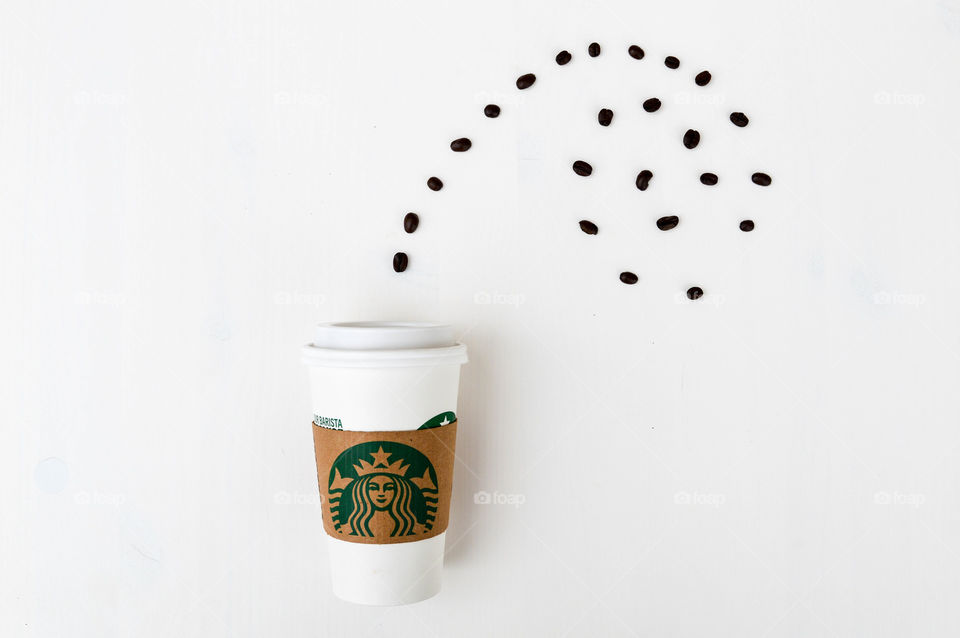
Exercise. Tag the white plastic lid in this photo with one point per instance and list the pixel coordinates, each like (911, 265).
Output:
(384, 344)
(383, 335)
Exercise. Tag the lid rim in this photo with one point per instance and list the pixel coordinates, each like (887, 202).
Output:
(393, 358)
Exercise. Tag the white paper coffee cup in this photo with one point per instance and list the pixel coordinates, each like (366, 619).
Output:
(384, 377)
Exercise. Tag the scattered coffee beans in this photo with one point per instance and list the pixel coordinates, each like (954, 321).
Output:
(460, 145)
(746, 225)
(691, 138)
(582, 169)
(605, 116)
(400, 262)
(761, 179)
(703, 78)
(671, 62)
(643, 179)
(709, 179)
(434, 183)
(410, 222)
(593, 49)
(668, 223)
(491, 110)
(588, 227)
(652, 105)
(526, 81)
(563, 57)
(635, 52)
(694, 293)
(629, 278)
(739, 119)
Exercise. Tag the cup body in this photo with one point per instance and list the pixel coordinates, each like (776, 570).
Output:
(360, 385)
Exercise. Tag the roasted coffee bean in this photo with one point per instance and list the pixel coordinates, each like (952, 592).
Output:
(491, 110)
(652, 105)
(460, 145)
(605, 116)
(739, 119)
(526, 81)
(694, 293)
(668, 223)
(635, 52)
(410, 222)
(703, 78)
(563, 57)
(629, 278)
(746, 225)
(643, 179)
(400, 262)
(709, 179)
(593, 49)
(691, 138)
(434, 183)
(671, 62)
(761, 179)
(582, 169)
(588, 227)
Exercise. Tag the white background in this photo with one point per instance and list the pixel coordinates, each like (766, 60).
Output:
(187, 188)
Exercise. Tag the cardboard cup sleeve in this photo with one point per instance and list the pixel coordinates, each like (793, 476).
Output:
(385, 487)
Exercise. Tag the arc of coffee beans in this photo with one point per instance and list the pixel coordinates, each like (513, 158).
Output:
(582, 169)
(526, 81)
(411, 221)
(460, 145)
(588, 227)
(669, 222)
(643, 179)
(691, 138)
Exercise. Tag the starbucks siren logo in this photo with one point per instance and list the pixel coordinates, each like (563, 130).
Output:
(383, 489)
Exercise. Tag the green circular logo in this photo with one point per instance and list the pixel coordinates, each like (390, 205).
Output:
(382, 489)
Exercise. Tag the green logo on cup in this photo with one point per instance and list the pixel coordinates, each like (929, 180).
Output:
(444, 418)
(382, 489)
